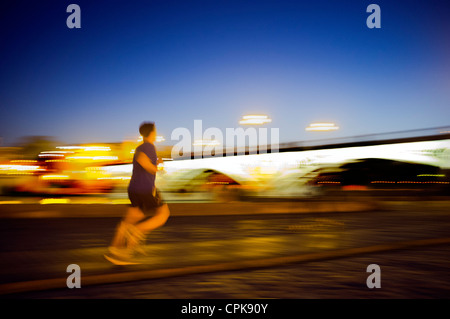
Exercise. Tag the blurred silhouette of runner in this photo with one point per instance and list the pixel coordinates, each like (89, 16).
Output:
(144, 197)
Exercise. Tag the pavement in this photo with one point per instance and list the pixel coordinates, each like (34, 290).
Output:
(265, 252)
(76, 210)
(142, 274)
(69, 208)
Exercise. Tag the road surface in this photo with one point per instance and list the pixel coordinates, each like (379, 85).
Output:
(42, 248)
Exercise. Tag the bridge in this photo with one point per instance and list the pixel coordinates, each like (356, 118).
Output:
(245, 166)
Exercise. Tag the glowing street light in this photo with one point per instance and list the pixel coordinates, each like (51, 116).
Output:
(255, 120)
(322, 127)
(160, 139)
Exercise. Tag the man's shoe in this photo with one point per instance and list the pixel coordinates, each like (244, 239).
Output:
(118, 261)
(121, 253)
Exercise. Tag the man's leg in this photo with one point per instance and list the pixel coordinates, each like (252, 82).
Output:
(160, 218)
(140, 230)
(133, 216)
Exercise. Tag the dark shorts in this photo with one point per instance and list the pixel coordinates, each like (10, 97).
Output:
(146, 202)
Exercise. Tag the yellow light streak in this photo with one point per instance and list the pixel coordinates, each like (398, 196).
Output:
(255, 120)
(54, 177)
(20, 167)
(46, 201)
(322, 127)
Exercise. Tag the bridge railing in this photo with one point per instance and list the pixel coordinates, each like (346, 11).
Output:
(416, 133)
(436, 133)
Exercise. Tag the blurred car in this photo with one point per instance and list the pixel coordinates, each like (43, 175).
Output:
(382, 174)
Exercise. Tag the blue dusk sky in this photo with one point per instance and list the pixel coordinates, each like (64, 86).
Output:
(173, 62)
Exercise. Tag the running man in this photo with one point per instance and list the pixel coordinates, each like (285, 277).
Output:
(136, 224)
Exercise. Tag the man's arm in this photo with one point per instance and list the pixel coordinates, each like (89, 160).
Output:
(146, 163)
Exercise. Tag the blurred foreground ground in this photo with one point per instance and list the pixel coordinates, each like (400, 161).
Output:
(405, 274)
(42, 248)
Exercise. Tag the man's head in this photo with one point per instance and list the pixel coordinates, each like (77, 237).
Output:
(148, 131)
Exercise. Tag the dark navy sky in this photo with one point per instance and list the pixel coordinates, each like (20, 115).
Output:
(176, 61)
